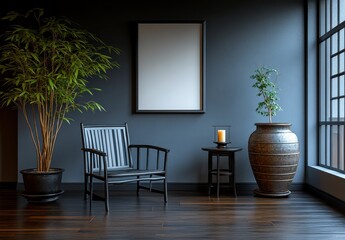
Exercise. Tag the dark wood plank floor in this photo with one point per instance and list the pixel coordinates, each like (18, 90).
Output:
(188, 215)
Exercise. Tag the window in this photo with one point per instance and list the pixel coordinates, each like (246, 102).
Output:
(331, 84)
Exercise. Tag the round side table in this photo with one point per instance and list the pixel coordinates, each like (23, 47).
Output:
(218, 153)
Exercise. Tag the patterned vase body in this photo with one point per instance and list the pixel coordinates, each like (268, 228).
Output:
(273, 153)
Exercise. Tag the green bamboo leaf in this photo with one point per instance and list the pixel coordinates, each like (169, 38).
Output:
(48, 64)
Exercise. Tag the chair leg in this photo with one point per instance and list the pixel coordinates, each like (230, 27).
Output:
(151, 184)
(106, 195)
(91, 191)
(85, 186)
(165, 191)
(86, 180)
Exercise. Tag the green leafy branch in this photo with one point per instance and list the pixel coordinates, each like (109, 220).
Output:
(267, 90)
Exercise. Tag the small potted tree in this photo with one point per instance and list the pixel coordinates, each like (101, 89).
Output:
(273, 148)
(46, 63)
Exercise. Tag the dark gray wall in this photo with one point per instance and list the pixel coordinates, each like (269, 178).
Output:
(8, 145)
(240, 36)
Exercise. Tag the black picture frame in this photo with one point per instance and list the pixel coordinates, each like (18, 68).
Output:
(170, 74)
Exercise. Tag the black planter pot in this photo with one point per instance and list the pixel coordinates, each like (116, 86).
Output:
(42, 186)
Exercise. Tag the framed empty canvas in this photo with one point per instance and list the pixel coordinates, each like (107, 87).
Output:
(170, 67)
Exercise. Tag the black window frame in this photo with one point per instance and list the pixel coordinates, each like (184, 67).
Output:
(331, 84)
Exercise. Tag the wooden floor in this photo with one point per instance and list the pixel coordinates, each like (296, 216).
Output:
(188, 215)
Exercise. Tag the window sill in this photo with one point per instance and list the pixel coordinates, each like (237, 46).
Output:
(329, 171)
(326, 180)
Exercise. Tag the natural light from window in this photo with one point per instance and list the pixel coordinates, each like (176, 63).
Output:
(331, 84)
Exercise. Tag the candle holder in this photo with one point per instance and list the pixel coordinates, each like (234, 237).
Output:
(221, 135)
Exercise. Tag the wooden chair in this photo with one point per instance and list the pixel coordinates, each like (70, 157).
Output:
(109, 157)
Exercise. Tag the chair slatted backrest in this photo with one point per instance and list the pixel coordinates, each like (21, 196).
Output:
(111, 139)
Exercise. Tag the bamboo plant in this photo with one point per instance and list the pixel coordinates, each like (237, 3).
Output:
(46, 63)
(268, 91)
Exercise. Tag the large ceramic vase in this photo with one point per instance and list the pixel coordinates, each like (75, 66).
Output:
(42, 186)
(273, 152)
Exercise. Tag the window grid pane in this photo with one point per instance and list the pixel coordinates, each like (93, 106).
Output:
(334, 13)
(341, 13)
(332, 84)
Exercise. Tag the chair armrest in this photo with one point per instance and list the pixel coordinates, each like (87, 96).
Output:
(149, 157)
(94, 151)
(95, 158)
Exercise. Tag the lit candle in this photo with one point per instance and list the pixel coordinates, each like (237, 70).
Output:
(221, 135)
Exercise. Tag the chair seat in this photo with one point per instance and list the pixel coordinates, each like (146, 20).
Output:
(130, 172)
